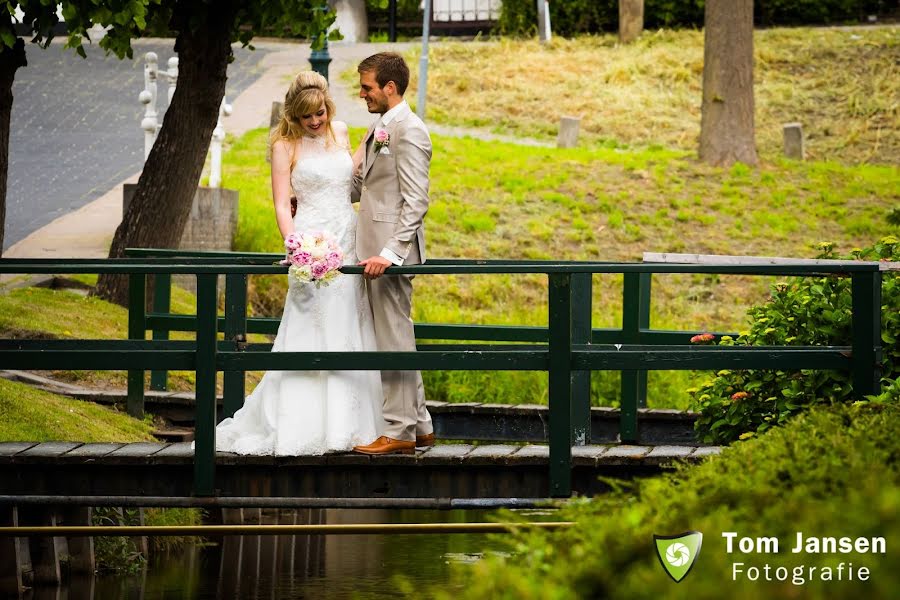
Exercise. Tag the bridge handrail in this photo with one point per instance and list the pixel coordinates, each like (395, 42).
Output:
(570, 352)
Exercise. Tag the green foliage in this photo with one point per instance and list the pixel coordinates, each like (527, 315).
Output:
(831, 472)
(519, 17)
(812, 311)
(117, 553)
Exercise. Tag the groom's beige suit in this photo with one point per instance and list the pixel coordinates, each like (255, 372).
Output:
(392, 190)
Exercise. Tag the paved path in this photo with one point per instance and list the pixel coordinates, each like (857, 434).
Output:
(75, 128)
(55, 218)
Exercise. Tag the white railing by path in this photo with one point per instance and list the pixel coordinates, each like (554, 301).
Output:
(151, 122)
(148, 97)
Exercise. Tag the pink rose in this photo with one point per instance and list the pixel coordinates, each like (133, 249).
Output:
(382, 136)
(301, 257)
(291, 242)
(319, 270)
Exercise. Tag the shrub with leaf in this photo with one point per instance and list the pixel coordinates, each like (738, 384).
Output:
(808, 311)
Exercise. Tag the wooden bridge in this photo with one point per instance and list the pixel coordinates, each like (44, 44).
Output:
(568, 349)
(445, 476)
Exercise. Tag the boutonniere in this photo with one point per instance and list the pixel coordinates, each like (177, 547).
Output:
(382, 139)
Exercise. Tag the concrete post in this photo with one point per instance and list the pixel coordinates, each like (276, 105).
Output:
(793, 141)
(351, 19)
(543, 12)
(568, 132)
(172, 76)
(150, 122)
(218, 136)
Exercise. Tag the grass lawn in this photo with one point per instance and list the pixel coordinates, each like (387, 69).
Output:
(501, 200)
(44, 313)
(31, 415)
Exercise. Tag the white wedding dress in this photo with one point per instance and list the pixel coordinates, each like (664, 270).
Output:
(314, 412)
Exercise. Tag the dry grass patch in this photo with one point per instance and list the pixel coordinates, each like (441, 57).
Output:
(842, 84)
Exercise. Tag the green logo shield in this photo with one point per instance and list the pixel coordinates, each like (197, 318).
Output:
(677, 553)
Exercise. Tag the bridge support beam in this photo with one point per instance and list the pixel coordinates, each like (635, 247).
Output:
(81, 549)
(10, 559)
(45, 551)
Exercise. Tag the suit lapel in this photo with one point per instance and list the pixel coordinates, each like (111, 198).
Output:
(367, 158)
(370, 159)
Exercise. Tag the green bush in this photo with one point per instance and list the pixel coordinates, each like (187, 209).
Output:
(519, 17)
(812, 311)
(831, 472)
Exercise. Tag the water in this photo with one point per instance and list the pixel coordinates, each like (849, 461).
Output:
(321, 567)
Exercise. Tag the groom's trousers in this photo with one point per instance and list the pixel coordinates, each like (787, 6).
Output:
(405, 414)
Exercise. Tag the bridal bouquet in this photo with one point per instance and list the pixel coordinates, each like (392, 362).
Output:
(314, 257)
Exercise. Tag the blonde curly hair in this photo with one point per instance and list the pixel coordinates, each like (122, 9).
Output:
(307, 93)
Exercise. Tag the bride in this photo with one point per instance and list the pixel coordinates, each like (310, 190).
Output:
(313, 412)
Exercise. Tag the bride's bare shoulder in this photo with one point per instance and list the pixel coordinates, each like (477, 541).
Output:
(339, 127)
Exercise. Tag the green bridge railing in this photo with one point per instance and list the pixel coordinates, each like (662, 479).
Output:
(568, 349)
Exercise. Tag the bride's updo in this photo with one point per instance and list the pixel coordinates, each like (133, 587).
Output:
(305, 96)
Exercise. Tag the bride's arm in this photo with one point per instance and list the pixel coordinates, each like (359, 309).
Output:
(281, 186)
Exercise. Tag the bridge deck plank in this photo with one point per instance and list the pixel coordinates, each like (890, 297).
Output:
(588, 455)
(491, 454)
(666, 454)
(624, 454)
(446, 454)
(177, 450)
(92, 450)
(48, 450)
(532, 453)
(13, 448)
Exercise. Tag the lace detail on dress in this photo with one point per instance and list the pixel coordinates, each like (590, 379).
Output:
(313, 412)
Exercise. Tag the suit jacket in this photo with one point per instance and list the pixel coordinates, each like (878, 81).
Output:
(392, 191)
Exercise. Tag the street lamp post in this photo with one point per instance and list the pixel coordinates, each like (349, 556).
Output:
(319, 59)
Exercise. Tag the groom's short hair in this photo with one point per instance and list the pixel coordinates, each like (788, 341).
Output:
(387, 66)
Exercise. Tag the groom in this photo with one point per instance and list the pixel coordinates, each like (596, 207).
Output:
(392, 190)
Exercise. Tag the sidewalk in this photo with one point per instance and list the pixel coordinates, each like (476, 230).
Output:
(88, 231)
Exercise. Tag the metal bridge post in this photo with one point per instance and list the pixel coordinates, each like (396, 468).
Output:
(205, 433)
(162, 304)
(581, 380)
(635, 316)
(866, 290)
(560, 376)
(136, 322)
(235, 331)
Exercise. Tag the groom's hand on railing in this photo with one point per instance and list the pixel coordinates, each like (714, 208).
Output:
(375, 266)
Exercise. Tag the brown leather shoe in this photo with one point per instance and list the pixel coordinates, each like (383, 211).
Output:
(386, 445)
(425, 441)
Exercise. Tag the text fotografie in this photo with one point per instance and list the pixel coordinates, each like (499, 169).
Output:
(804, 544)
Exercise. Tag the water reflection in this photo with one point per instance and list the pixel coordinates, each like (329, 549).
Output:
(304, 566)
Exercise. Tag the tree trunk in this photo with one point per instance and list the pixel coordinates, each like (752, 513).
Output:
(727, 131)
(165, 191)
(631, 20)
(10, 61)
